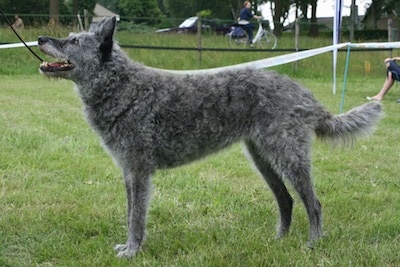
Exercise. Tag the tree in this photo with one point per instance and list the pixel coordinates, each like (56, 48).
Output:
(301, 8)
(314, 28)
(221, 9)
(280, 12)
(24, 7)
(139, 8)
(78, 6)
(234, 8)
(57, 9)
(380, 8)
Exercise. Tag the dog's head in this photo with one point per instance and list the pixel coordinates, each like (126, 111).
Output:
(79, 53)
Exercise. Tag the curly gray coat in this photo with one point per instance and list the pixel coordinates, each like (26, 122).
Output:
(149, 119)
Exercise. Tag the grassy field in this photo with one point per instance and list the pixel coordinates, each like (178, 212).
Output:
(62, 201)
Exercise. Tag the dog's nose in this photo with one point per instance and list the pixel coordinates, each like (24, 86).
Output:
(42, 40)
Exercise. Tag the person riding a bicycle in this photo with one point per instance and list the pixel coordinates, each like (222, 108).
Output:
(245, 16)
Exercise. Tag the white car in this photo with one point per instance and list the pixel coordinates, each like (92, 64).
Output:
(188, 25)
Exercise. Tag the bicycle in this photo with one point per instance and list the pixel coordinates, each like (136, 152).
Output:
(263, 38)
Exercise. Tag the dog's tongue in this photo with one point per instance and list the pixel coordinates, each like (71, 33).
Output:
(55, 64)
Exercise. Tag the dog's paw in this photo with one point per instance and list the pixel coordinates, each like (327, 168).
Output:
(313, 242)
(127, 250)
(310, 244)
(280, 235)
(281, 231)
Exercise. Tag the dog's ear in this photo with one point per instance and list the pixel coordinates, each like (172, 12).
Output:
(105, 31)
(106, 27)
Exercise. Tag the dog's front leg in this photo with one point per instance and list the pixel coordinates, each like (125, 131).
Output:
(138, 185)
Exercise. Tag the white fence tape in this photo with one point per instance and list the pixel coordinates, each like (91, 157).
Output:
(35, 43)
(262, 63)
(376, 45)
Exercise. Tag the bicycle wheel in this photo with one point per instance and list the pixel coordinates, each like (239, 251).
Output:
(267, 40)
(238, 42)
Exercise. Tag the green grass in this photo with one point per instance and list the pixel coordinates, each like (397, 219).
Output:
(62, 200)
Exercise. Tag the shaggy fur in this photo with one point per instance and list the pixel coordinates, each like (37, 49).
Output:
(149, 119)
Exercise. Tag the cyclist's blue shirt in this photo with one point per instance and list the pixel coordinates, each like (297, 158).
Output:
(245, 14)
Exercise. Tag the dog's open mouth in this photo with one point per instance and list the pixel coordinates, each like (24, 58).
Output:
(56, 66)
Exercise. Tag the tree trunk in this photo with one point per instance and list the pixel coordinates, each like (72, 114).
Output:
(304, 9)
(314, 27)
(276, 16)
(54, 12)
(75, 11)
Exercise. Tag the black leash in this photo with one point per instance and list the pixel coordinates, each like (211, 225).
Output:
(19, 37)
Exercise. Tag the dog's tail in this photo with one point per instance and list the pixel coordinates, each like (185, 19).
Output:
(345, 128)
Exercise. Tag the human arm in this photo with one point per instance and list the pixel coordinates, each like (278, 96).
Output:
(393, 58)
(17, 24)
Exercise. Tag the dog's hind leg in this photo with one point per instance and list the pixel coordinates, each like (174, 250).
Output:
(292, 155)
(302, 183)
(275, 182)
(138, 184)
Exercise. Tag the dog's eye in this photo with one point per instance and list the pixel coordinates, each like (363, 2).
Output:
(74, 41)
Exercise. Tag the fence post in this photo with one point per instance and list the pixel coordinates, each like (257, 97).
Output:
(80, 26)
(296, 38)
(199, 28)
(353, 16)
(86, 19)
(390, 34)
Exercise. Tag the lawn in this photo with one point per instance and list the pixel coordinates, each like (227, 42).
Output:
(62, 200)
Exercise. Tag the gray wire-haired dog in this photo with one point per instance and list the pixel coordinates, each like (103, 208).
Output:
(149, 119)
